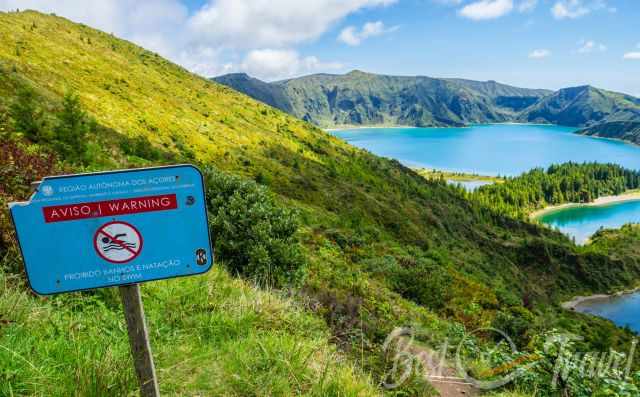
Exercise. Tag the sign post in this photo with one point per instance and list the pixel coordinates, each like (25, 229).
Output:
(119, 228)
(139, 340)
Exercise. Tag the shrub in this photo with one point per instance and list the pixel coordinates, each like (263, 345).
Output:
(72, 129)
(514, 322)
(26, 116)
(253, 234)
(141, 147)
(421, 280)
(426, 283)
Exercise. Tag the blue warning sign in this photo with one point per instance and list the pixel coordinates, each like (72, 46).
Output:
(105, 229)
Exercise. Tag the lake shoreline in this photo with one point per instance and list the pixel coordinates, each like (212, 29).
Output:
(577, 300)
(435, 173)
(600, 201)
(374, 126)
(576, 132)
(620, 140)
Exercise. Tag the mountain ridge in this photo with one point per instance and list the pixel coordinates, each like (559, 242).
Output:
(361, 98)
(583, 106)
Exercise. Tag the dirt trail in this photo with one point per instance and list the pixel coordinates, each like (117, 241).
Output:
(442, 375)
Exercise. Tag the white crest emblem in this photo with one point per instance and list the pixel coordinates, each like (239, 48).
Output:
(47, 190)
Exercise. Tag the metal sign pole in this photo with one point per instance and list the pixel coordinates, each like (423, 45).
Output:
(139, 340)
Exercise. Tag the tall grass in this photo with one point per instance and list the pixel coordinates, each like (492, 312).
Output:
(211, 335)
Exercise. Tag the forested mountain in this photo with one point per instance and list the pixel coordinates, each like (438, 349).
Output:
(366, 244)
(359, 98)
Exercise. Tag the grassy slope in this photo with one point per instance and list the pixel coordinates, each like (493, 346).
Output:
(620, 243)
(138, 93)
(211, 335)
(359, 210)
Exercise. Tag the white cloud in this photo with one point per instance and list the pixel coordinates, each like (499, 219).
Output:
(588, 46)
(353, 37)
(449, 2)
(568, 9)
(274, 64)
(349, 36)
(527, 5)
(572, 9)
(204, 60)
(522, 6)
(153, 24)
(632, 55)
(259, 23)
(539, 54)
(486, 9)
(207, 40)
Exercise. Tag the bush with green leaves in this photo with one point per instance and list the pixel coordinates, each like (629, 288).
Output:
(422, 280)
(26, 115)
(70, 124)
(253, 234)
(71, 129)
(141, 147)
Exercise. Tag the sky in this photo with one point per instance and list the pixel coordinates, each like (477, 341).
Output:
(530, 43)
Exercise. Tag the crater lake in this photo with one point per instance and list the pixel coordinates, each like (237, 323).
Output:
(493, 149)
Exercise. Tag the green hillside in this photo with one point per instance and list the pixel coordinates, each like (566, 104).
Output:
(625, 130)
(379, 246)
(583, 107)
(620, 243)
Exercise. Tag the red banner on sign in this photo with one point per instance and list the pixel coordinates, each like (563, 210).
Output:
(70, 212)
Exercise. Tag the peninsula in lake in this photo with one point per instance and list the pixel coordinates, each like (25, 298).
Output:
(360, 98)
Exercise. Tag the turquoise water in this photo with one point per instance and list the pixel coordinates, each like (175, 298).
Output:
(582, 221)
(623, 310)
(496, 149)
(470, 186)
